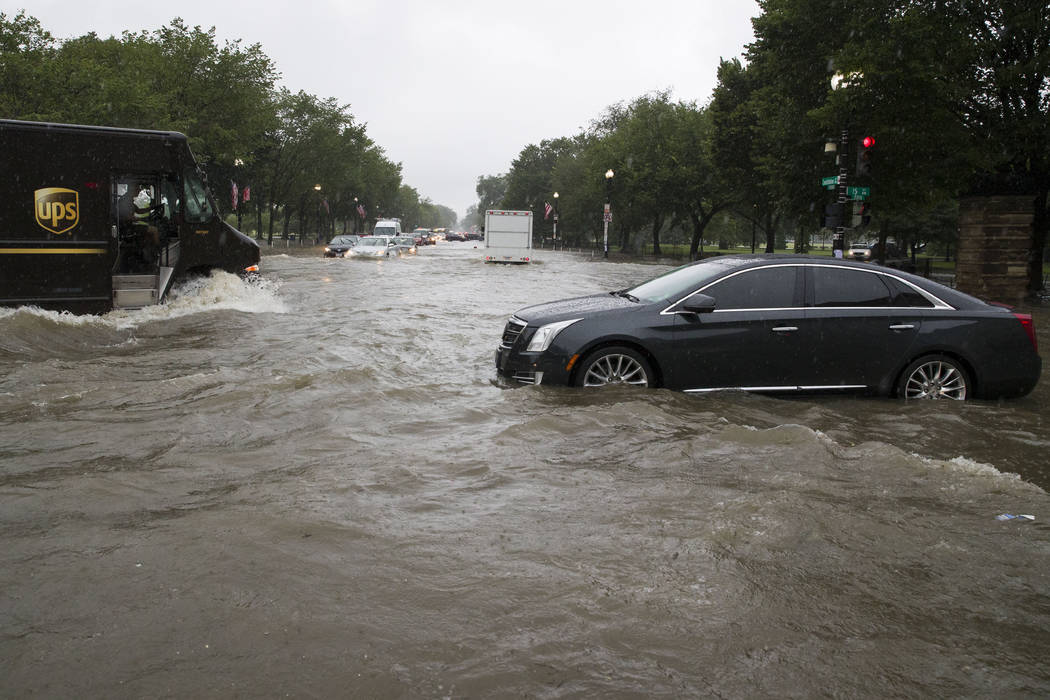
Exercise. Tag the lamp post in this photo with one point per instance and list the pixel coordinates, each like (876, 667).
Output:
(317, 189)
(838, 241)
(608, 209)
(555, 221)
(356, 214)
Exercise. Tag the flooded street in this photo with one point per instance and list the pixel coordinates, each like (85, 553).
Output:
(314, 487)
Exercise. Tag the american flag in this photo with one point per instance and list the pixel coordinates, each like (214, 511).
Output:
(361, 210)
(547, 209)
(233, 194)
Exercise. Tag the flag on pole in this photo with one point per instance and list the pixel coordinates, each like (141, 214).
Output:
(361, 210)
(547, 209)
(233, 194)
(247, 193)
(325, 203)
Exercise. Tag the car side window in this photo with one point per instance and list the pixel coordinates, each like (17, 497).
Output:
(847, 287)
(765, 288)
(905, 296)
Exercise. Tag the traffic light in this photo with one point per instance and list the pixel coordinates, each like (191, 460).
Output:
(864, 156)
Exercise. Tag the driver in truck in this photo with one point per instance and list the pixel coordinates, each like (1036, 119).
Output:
(134, 209)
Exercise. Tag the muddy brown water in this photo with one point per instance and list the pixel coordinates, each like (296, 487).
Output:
(313, 487)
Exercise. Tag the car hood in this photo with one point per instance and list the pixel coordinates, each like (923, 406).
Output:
(576, 307)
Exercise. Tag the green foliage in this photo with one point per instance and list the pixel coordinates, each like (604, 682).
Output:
(955, 92)
(241, 127)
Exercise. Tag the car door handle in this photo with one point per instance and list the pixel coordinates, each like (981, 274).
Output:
(785, 329)
(902, 327)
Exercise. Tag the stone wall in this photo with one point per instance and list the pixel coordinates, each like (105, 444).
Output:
(995, 234)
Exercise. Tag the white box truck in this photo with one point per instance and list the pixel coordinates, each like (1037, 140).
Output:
(508, 236)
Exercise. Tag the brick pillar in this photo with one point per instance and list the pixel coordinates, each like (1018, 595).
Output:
(995, 234)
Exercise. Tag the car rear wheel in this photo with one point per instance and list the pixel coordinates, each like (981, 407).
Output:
(615, 365)
(934, 377)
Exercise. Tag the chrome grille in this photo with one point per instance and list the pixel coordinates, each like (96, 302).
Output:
(511, 332)
(528, 377)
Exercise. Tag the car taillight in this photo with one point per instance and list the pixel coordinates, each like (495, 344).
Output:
(1029, 327)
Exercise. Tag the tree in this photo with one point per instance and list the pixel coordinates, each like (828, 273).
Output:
(491, 190)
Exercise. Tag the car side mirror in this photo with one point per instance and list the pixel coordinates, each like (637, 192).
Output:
(699, 304)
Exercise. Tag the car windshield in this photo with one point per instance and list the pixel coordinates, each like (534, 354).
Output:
(384, 230)
(372, 242)
(342, 240)
(681, 280)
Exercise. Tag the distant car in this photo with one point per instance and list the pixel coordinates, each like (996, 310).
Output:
(406, 245)
(859, 251)
(340, 245)
(374, 247)
(422, 236)
(455, 236)
(863, 251)
(777, 323)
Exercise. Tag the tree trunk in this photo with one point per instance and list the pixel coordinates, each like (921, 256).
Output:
(699, 226)
(258, 218)
(658, 223)
(270, 209)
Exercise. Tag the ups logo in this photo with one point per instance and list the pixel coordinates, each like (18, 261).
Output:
(57, 209)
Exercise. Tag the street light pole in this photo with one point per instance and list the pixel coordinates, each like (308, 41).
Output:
(838, 241)
(555, 221)
(608, 208)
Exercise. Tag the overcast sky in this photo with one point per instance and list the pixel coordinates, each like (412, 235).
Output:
(454, 89)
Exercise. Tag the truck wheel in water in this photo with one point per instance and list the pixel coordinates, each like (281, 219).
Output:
(614, 365)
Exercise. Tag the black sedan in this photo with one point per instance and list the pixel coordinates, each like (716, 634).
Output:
(338, 246)
(778, 324)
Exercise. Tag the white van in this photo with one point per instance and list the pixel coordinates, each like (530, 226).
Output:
(387, 227)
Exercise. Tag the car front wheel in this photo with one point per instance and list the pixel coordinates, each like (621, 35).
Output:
(615, 365)
(934, 377)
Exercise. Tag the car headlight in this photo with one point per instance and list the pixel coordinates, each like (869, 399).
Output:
(544, 335)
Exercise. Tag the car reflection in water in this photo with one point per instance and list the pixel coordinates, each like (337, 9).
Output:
(778, 324)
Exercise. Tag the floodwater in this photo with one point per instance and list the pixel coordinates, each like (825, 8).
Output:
(314, 487)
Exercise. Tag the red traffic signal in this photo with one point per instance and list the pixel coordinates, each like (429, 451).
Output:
(864, 156)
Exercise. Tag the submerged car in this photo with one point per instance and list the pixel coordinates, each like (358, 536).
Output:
(778, 324)
(406, 245)
(339, 246)
(373, 247)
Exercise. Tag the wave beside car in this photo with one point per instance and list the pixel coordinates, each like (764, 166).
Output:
(778, 324)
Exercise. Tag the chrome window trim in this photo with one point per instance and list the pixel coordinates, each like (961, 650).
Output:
(937, 302)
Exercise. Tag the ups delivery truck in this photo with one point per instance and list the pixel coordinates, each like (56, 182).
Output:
(95, 218)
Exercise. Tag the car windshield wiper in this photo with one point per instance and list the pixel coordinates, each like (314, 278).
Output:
(624, 293)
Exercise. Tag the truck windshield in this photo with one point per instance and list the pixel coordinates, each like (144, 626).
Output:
(198, 206)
